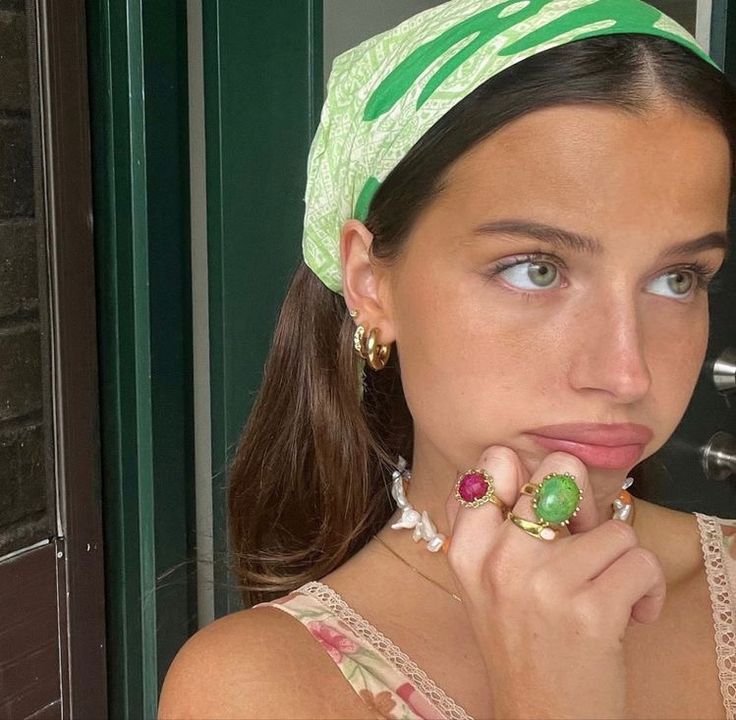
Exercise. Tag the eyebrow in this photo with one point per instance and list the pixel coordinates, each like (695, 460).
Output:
(558, 237)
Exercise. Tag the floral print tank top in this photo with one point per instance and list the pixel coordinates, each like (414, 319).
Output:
(393, 686)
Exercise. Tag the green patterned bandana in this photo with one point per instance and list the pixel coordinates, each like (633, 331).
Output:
(384, 94)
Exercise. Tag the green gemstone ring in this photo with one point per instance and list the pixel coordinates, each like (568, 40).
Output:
(555, 499)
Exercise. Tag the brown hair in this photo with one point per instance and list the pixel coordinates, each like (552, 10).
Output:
(309, 484)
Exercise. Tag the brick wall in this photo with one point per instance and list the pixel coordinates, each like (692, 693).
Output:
(25, 514)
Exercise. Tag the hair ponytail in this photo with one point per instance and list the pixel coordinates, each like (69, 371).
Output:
(308, 485)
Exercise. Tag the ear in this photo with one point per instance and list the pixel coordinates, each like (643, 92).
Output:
(365, 284)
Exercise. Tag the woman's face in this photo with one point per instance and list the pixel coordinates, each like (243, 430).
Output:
(493, 345)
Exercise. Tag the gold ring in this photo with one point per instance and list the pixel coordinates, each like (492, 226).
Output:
(529, 489)
(541, 531)
(475, 487)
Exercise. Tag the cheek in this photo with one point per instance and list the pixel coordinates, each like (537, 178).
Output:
(676, 353)
(466, 364)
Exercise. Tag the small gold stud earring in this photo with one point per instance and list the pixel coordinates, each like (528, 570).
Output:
(354, 313)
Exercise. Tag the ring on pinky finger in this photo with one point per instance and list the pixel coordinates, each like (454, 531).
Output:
(540, 531)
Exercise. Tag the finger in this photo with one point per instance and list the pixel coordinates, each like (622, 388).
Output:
(561, 463)
(472, 527)
(636, 577)
(590, 553)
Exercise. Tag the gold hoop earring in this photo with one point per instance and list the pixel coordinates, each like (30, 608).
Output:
(369, 348)
(376, 354)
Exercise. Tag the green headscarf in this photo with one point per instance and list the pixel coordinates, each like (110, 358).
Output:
(384, 94)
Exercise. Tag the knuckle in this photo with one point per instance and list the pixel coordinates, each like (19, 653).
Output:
(498, 454)
(543, 589)
(565, 462)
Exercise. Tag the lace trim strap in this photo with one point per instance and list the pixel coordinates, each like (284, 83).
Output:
(393, 654)
(711, 537)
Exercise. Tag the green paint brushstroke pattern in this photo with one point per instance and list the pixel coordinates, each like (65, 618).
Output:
(628, 16)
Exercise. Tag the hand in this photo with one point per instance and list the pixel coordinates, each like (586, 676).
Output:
(550, 616)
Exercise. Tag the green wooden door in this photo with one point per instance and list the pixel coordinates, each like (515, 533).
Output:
(263, 93)
(138, 75)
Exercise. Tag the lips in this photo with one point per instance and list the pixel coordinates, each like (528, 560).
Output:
(605, 446)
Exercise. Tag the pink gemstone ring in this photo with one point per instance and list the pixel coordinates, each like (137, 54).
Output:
(474, 488)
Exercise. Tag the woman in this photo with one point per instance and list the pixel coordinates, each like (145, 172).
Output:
(514, 212)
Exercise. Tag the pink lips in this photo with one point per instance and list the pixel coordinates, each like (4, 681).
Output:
(605, 446)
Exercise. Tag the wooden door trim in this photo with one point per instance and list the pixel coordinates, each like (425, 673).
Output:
(62, 54)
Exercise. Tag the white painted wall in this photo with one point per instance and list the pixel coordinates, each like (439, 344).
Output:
(200, 320)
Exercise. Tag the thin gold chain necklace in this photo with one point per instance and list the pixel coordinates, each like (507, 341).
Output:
(390, 549)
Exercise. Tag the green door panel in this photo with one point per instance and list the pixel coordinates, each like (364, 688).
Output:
(263, 92)
(141, 219)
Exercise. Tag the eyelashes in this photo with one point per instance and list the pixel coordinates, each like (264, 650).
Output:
(711, 281)
(703, 274)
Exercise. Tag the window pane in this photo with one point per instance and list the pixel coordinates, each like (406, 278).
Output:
(26, 497)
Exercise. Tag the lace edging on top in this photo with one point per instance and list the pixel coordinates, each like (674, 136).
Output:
(723, 621)
(399, 659)
(720, 593)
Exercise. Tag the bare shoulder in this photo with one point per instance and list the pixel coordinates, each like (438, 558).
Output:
(256, 663)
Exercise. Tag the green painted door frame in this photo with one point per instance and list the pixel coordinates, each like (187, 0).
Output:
(138, 65)
(263, 94)
(263, 84)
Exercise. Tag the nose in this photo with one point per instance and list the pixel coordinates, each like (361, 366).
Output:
(610, 356)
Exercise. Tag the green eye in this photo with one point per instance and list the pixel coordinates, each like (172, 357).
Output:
(542, 274)
(680, 282)
(677, 283)
(529, 273)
